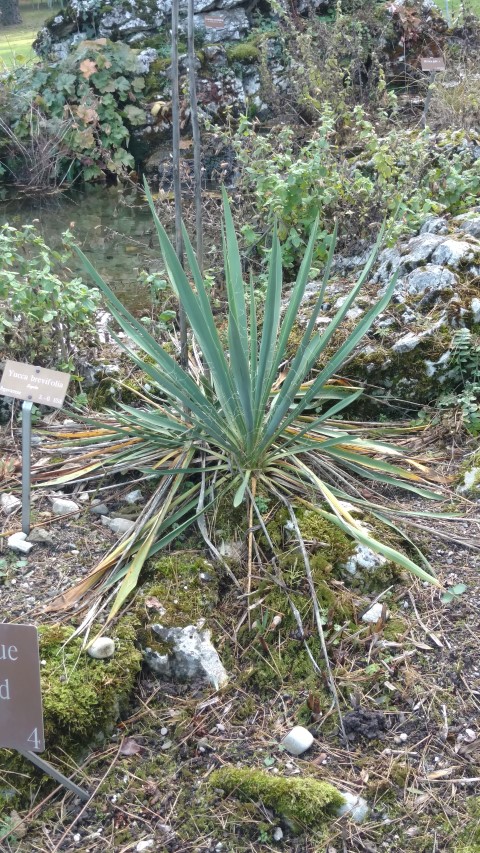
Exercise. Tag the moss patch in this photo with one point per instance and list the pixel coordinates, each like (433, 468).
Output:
(307, 802)
(183, 589)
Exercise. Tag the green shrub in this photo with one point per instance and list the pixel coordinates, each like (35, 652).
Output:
(401, 176)
(45, 318)
(86, 105)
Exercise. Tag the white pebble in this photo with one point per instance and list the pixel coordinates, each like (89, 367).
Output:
(101, 648)
(298, 740)
(145, 845)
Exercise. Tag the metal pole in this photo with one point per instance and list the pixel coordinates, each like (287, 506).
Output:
(26, 450)
(447, 12)
(55, 774)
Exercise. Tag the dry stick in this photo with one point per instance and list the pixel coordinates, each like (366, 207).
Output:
(250, 542)
(197, 151)
(176, 175)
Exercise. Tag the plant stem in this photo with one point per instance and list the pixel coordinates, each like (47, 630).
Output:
(197, 151)
(176, 174)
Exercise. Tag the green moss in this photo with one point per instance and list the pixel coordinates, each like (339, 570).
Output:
(246, 51)
(306, 801)
(469, 839)
(317, 530)
(185, 587)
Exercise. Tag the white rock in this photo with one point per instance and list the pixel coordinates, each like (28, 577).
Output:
(277, 833)
(133, 497)
(298, 740)
(101, 648)
(17, 542)
(147, 844)
(374, 613)
(355, 807)
(453, 253)
(118, 525)
(192, 656)
(62, 506)
(475, 306)
(9, 503)
(364, 558)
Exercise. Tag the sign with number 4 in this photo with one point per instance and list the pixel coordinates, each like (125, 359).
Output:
(21, 716)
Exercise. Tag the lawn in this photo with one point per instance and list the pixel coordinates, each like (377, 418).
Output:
(455, 7)
(16, 42)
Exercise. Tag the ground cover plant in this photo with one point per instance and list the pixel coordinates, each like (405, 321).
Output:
(238, 424)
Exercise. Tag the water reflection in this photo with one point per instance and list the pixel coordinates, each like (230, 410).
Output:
(112, 224)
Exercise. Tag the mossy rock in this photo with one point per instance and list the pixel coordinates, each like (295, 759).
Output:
(304, 802)
(82, 700)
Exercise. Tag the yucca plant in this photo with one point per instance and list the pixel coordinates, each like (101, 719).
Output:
(238, 421)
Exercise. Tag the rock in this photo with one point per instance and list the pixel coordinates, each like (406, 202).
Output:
(453, 253)
(227, 25)
(277, 833)
(420, 249)
(475, 307)
(434, 225)
(470, 226)
(18, 542)
(145, 59)
(431, 277)
(363, 558)
(298, 740)
(355, 807)
(147, 844)
(99, 509)
(62, 506)
(102, 648)
(9, 503)
(118, 525)
(374, 613)
(133, 497)
(192, 656)
(40, 535)
(411, 340)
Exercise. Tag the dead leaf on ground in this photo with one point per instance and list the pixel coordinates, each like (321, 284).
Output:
(130, 747)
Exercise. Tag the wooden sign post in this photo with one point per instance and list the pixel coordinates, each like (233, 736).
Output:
(21, 715)
(431, 64)
(32, 385)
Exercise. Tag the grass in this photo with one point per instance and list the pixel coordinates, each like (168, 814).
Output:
(455, 7)
(16, 42)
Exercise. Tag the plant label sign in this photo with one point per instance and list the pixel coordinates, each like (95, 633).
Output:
(21, 717)
(433, 63)
(214, 22)
(34, 384)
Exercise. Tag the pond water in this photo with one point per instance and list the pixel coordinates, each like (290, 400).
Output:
(112, 224)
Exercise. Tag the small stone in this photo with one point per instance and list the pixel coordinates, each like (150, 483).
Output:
(403, 737)
(277, 834)
(166, 744)
(374, 613)
(133, 497)
(99, 509)
(40, 535)
(355, 807)
(147, 844)
(17, 542)
(192, 656)
(101, 648)
(62, 506)
(298, 740)
(475, 306)
(164, 731)
(453, 253)
(9, 503)
(118, 525)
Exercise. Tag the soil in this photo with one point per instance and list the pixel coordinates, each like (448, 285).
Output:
(410, 705)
